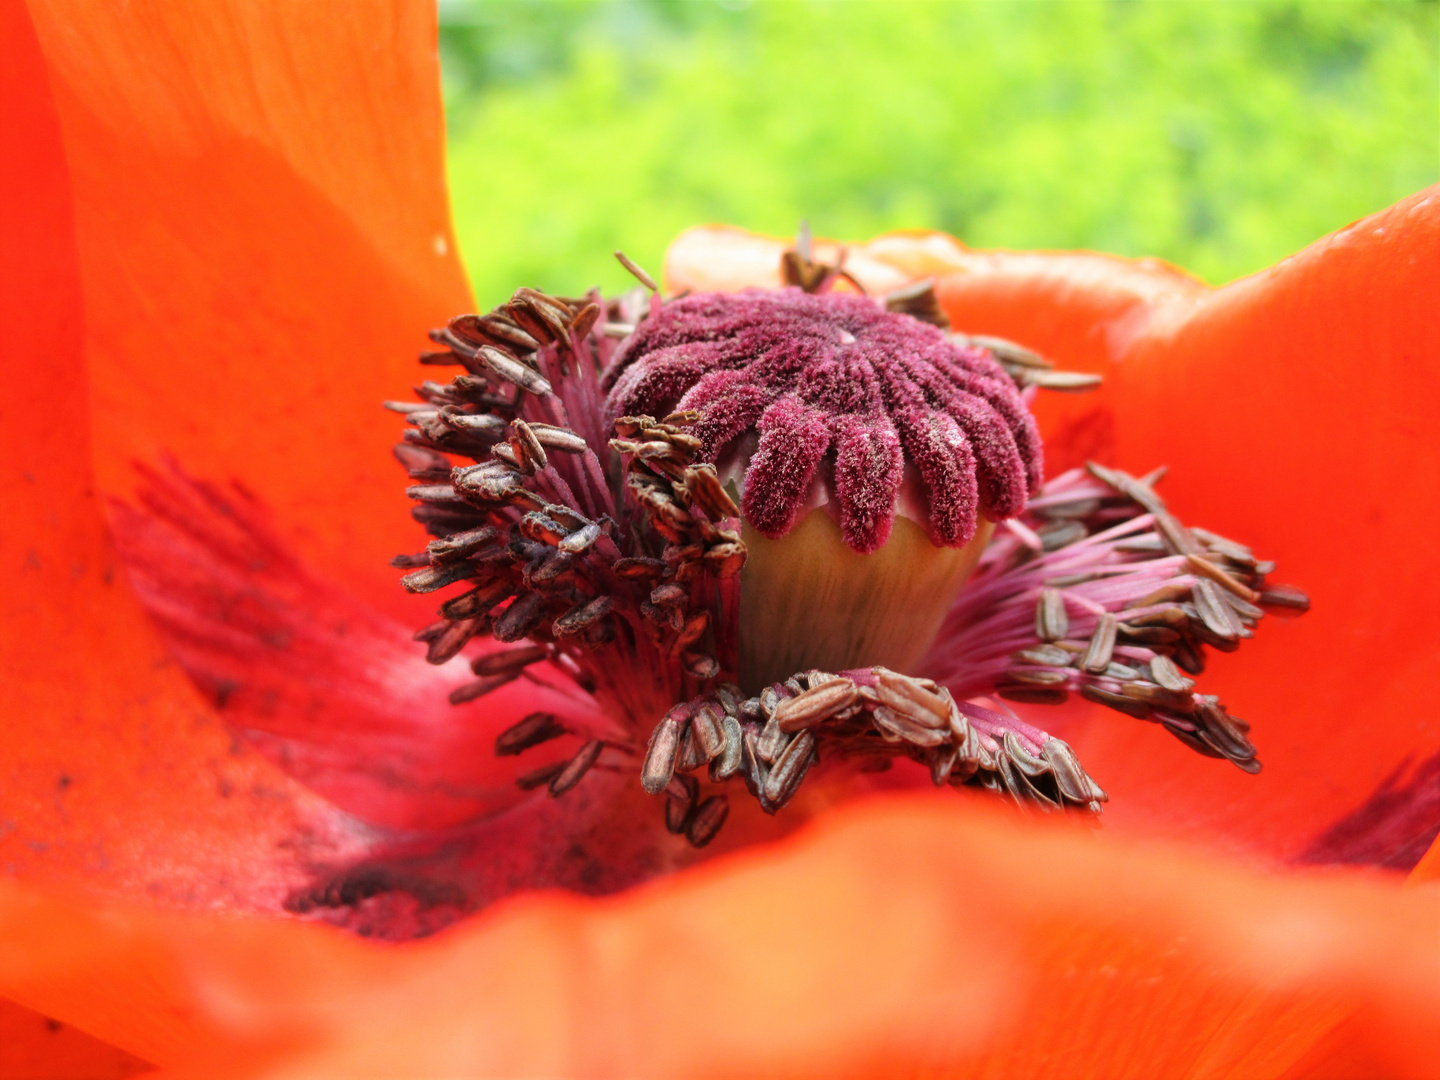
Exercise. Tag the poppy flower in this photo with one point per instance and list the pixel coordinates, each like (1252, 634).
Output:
(222, 247)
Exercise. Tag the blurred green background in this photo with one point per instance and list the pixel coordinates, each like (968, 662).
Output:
(1221, 136)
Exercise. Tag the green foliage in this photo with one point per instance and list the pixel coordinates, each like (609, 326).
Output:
(1219, 136)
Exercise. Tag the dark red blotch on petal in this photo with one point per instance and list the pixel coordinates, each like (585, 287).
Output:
(836, 378)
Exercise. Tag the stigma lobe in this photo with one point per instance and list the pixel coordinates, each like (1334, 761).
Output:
(834, 382)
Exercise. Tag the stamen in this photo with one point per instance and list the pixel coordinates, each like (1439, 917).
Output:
(1120, 614)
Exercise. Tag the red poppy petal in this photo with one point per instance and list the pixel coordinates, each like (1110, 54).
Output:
(35, 1047)
(112, 768)
(897, 936)
(264, 239)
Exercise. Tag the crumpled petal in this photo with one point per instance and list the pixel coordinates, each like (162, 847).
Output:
(991, 947)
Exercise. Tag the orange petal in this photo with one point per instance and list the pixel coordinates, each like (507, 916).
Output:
(263, 239)
(113, 770)
(896, 937)
(1295, 408)
(35, 1047)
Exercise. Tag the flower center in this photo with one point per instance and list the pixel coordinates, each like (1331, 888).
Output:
(737, 523)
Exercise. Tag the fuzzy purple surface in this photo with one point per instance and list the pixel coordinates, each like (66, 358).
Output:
(835, 381)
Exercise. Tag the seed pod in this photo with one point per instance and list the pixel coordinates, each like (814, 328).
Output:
(729, 697)
(1071, 382)
(693, 629)
(530, 320)
(1042, 654)
(1033, 695)
(772, 742)
(670, 521)
(551, 317)
(1038, 677)
(505, 452)
(478, 330)
(569, 519)
(483, 425)
(709, 494)
(433, 493)
(492, 482)
(942, 760)
(429, 633)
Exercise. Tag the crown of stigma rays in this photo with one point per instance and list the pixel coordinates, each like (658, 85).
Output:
(742, 523)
